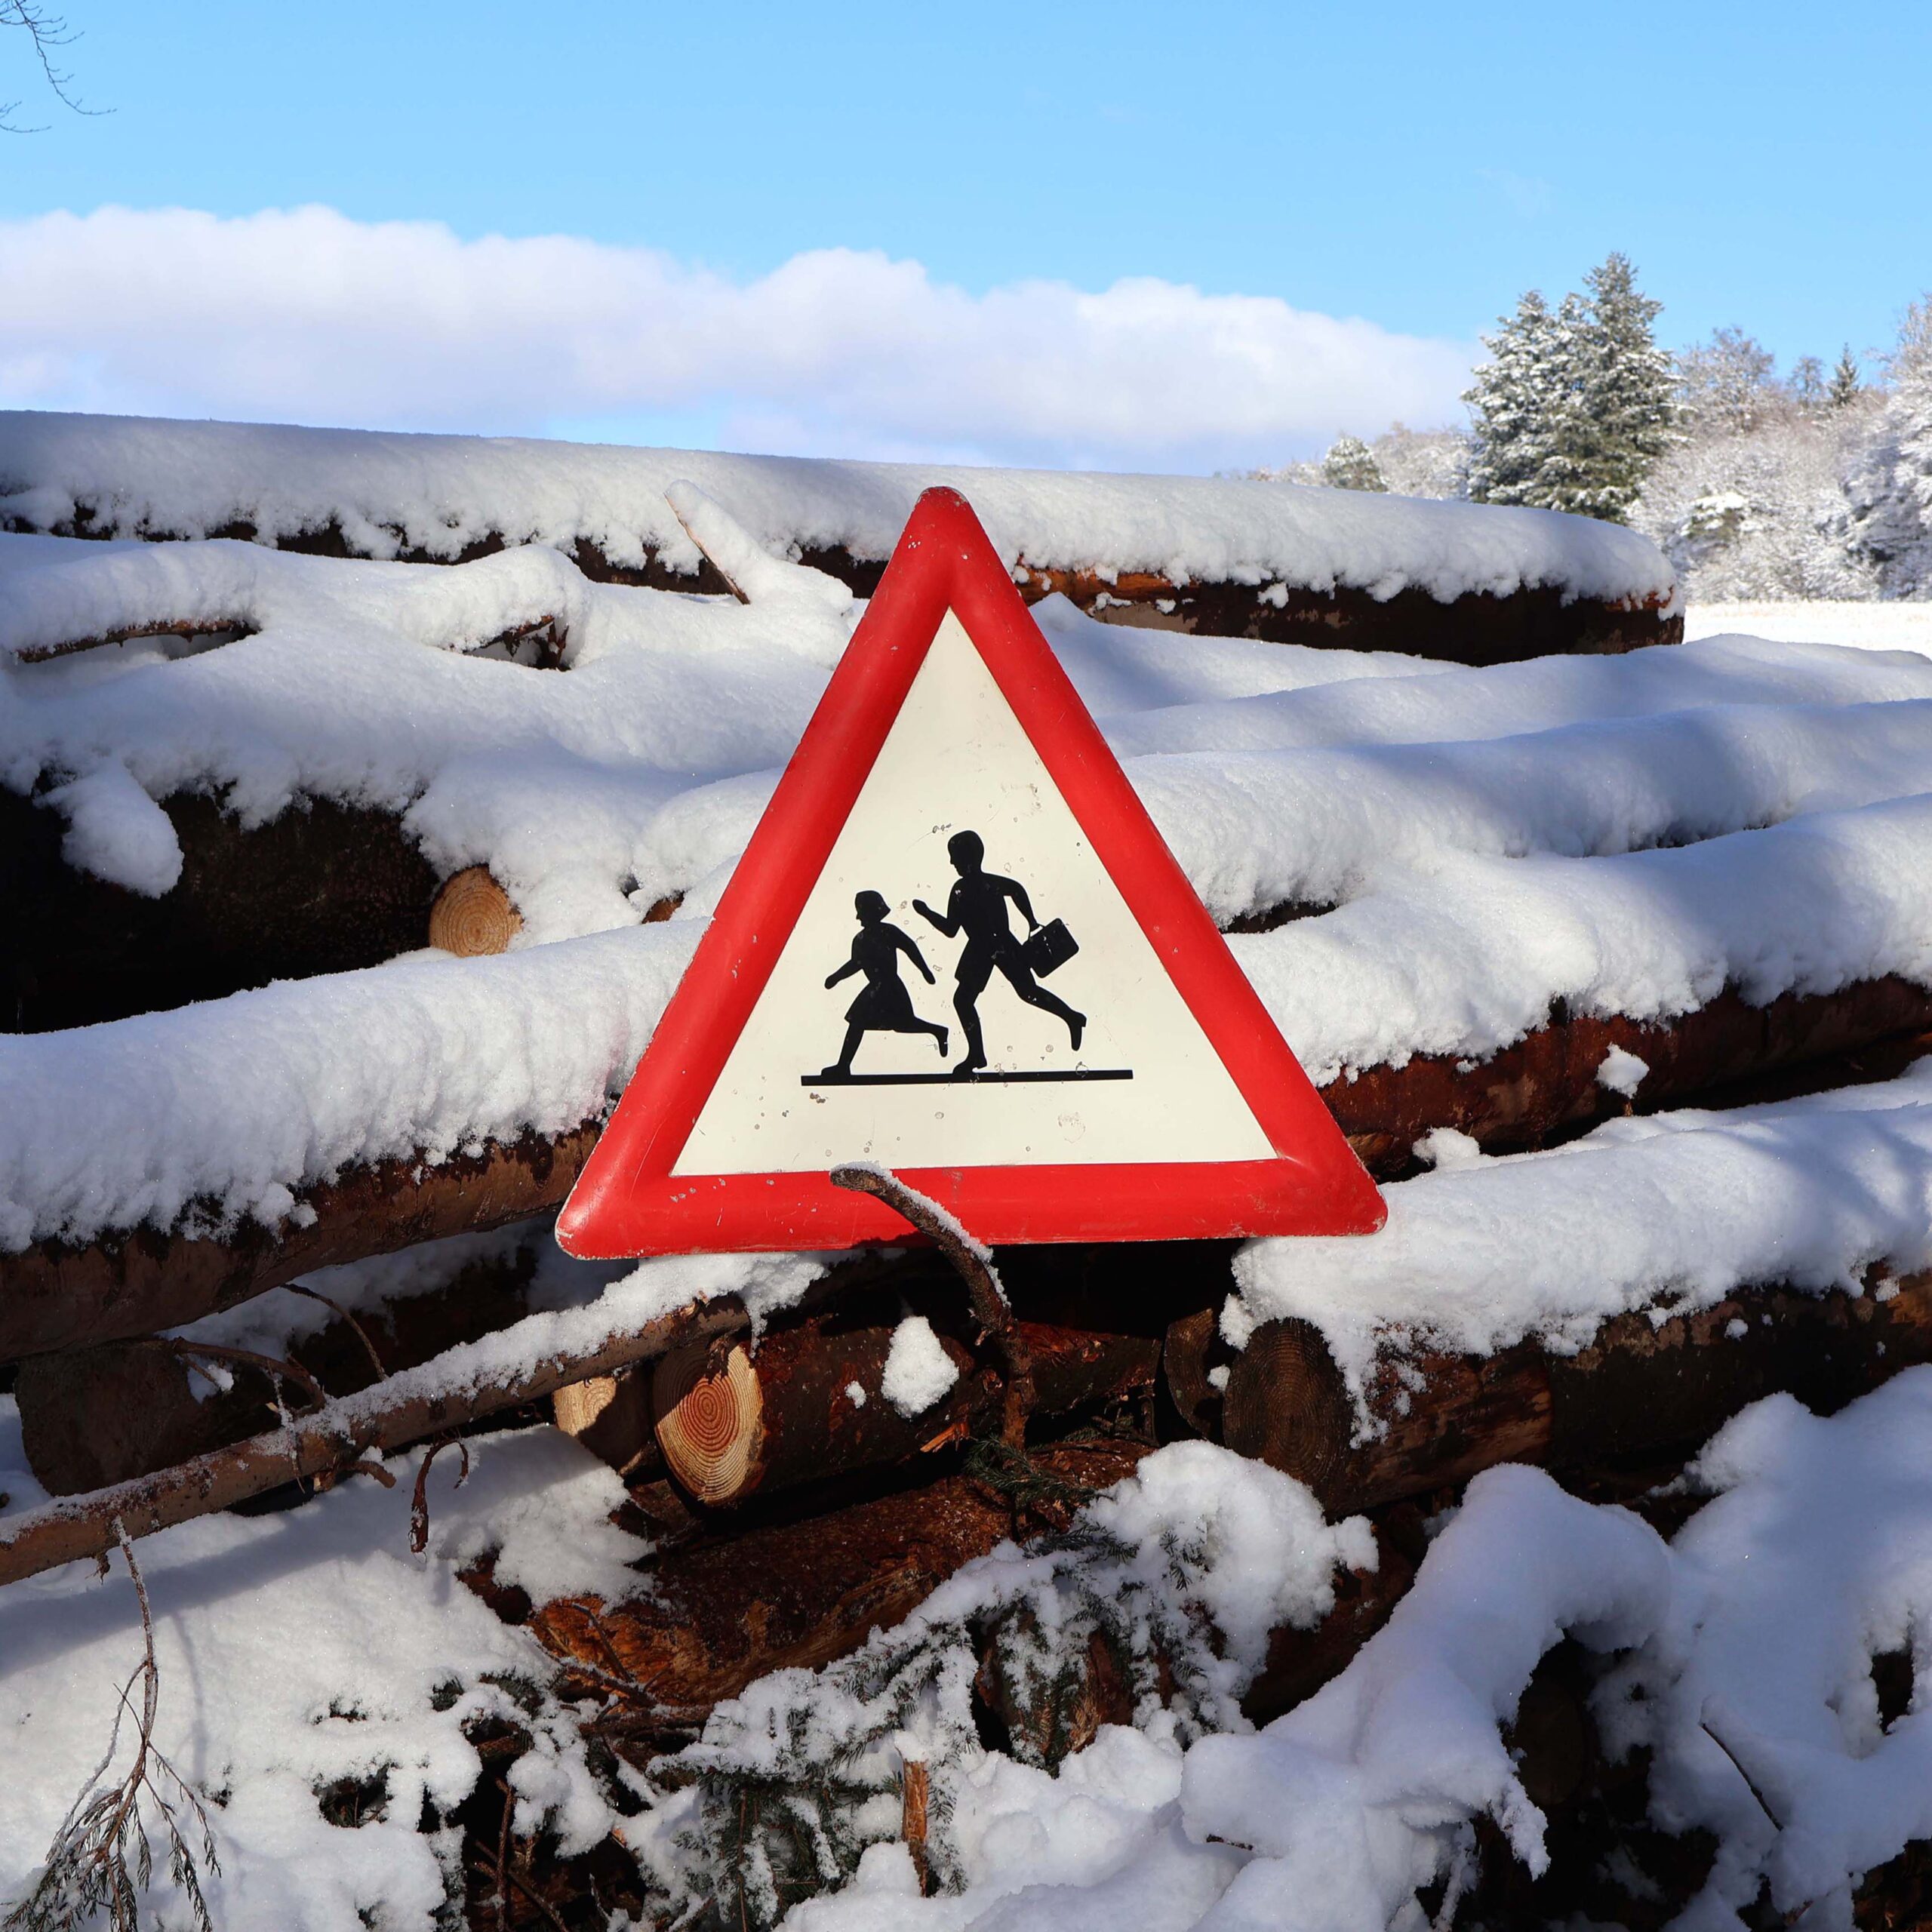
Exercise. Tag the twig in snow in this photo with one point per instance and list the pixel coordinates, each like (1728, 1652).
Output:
(88, 1868)
(275, 1367)
(342, 1313)
(419, 1507)
(1764, 1803)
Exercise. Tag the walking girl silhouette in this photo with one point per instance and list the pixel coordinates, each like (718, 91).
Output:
(884, 1006)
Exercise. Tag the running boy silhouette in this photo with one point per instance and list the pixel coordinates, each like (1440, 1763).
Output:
(885, 1006)
(977, 907)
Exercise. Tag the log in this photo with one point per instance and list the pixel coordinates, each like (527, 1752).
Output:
(54, 1295)
(1639, 1389)
(323, 888)
(473, 915)
(92, 1417)
(610, 1415)
(733, 1421)
(802, 1592)
(724, 1609)
(412, 1407)
(1478, 628)
(1545, 1084)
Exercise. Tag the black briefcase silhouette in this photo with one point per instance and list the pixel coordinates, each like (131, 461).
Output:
(1048, 949)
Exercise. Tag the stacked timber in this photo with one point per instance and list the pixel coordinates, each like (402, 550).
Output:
(1494, 910)
(1267, 560)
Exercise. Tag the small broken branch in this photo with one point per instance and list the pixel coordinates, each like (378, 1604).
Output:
(409, 1406)
(419, 1507)
(974, 1266)
(87, 1869)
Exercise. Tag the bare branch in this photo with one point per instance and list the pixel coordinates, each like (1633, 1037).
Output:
(46, 31)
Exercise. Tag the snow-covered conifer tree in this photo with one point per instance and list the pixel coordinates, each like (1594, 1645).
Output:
(1576, 407)
(1350, 464)
(1846, 388)
(1625, 413)
(1891, 492)
(1514, 403)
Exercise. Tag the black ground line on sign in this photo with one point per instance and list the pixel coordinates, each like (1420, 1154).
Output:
(960, 1079)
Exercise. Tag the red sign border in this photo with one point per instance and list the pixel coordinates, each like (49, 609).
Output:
(627, 1201)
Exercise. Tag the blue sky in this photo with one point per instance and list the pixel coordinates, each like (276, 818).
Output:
(1414, 166)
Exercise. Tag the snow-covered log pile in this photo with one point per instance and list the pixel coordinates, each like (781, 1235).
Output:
(1616, 966)
(1557, 860)
(1230, 558)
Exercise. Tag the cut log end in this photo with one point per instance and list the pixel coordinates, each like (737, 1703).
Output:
(473, 914)
(710, 1411)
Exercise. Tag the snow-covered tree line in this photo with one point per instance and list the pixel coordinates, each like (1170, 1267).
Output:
(1810, 483)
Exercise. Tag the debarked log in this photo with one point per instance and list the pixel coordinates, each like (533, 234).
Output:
(1641, 1387)
(733, 1420)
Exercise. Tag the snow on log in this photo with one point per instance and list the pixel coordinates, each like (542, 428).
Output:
(1261, 559)
(807, 1400)
(1640, 1385)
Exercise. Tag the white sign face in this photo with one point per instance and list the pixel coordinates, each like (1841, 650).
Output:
(1076, 1047)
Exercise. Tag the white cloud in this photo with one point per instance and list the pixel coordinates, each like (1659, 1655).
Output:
(308, 315)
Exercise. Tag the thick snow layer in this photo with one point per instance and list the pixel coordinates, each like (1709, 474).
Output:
(917, 1370)
(1670, 1212)
(230, 1105)
(297, 1651)
(1890, 625)
(1815, 1558)
(439, 494)
(1758, 1626)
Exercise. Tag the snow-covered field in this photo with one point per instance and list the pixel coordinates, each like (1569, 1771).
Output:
(1632, 836)
(1863, 626)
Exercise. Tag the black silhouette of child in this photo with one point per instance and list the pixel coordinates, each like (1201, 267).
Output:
(977, 906)
(885, 1006)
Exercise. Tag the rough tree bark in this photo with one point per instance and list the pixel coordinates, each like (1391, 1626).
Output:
(1437, 1418)
(733, 1421)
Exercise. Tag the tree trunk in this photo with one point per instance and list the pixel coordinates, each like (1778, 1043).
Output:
(806, 1402)
(53, 1296)
(1437, 1418)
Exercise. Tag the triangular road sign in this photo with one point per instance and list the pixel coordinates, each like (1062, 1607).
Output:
(1125, 1084)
